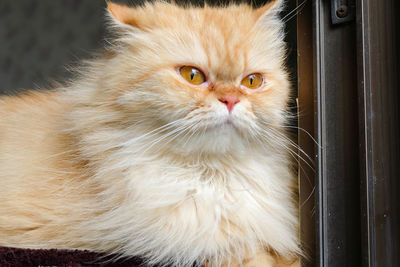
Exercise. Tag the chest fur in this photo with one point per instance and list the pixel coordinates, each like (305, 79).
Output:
(201, 209)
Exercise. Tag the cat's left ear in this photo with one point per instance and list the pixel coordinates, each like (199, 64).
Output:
(123, 15)
(270, 11)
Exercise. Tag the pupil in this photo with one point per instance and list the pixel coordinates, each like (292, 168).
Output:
(251, 80)
(192, 75)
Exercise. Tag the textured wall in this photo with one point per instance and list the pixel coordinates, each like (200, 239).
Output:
(39, 38)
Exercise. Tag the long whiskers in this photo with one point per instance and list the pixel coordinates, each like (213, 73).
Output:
(173, 134)
(283, 140)
(294, 127)
(294, 12)
(154, 132)
(304, 131)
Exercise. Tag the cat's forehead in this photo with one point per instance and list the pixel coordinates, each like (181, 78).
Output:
(222, 40)
(225, 42)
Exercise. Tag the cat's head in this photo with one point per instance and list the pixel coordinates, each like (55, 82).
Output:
(211, 79)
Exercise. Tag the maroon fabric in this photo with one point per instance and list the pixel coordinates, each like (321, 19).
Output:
(18, 257)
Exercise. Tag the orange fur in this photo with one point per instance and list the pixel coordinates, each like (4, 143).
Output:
(132, 159)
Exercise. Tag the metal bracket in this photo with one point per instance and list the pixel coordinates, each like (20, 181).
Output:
(342, 11)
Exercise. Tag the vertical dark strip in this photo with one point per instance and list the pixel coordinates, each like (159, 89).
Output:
(367, 236)
(379, 93)
(337, 127)
(306, 126)
(321, 249)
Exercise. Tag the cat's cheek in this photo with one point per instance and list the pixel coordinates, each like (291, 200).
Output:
(209, 100)
(183, 92)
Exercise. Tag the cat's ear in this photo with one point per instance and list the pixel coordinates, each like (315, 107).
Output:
(270, 12)
(123, 15)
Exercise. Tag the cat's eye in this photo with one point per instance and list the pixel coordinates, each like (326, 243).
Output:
(253, 81)
(192, 75)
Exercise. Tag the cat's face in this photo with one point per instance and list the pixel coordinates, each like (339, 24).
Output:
(213, 78)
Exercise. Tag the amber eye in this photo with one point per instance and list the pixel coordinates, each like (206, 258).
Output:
(253, 81)
(192, 75)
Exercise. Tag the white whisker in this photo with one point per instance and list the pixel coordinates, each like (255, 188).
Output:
(295, 11)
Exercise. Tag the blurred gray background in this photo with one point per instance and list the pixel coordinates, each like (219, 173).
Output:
(40, 39)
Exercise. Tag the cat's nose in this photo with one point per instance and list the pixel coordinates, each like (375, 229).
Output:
(229, 101)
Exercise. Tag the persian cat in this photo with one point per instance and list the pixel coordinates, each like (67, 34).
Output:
(170, 146)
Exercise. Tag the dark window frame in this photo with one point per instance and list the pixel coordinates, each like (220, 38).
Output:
(349, 100)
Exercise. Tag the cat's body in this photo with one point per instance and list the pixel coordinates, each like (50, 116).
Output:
(130, 159)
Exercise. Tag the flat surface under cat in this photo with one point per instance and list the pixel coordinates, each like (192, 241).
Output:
(170, 146)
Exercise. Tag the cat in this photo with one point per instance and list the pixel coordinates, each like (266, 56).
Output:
(170, 146)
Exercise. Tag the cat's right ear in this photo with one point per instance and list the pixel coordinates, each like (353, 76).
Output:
(123, 16)
(270, 11)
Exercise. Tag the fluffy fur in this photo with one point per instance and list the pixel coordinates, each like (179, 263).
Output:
(132, 159)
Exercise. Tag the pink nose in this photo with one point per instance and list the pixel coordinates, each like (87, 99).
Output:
(229, 101)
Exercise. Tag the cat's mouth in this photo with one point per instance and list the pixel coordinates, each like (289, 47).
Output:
(226, 124)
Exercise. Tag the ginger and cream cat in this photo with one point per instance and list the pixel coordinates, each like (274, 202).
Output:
(169, 147)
